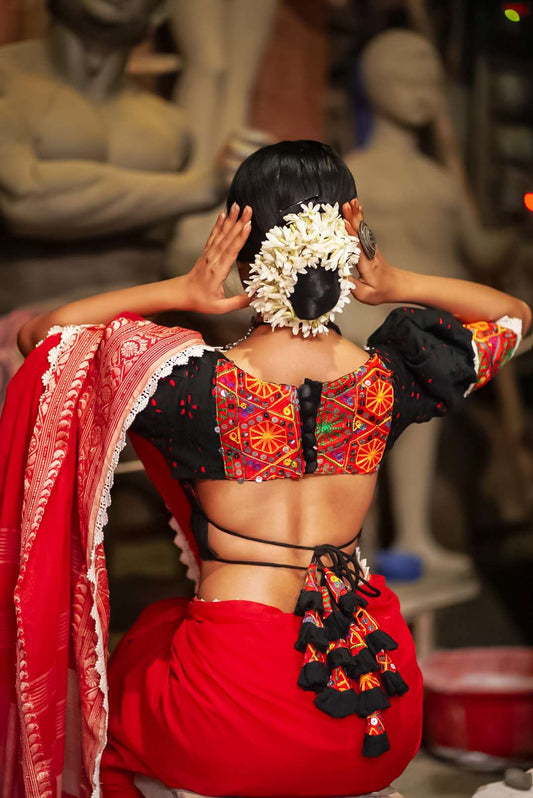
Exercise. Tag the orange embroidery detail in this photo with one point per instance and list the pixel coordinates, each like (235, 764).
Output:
(368, 681)
(495, 345)
(260, 428)
(369, 455)
(379, 397)
(356, 412)
(374, 725)
(339, 680)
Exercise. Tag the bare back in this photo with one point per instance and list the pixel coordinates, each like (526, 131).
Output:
(308, 511)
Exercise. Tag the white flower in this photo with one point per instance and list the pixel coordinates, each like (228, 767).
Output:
(312, 239)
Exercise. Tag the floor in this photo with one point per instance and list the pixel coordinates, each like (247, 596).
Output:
(427, 777)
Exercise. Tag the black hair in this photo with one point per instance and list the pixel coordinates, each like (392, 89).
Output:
(277, 180)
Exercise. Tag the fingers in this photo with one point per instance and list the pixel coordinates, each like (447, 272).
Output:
(223, 223)
(229, 224)
(231, 238)
(231, 245)
(350, 229)
(237, 302)
(230, 221)
(215, 232)
(353, 214)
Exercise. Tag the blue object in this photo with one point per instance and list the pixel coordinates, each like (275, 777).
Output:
(396, 564)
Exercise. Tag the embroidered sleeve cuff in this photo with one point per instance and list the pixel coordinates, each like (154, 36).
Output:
(493, 343)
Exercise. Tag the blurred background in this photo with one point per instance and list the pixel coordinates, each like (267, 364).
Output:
(121, 123)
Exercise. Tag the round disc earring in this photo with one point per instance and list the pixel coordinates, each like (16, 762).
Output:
(367, 239)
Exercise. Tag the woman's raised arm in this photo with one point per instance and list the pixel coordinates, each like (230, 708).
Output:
(201, 290)
(379, 282)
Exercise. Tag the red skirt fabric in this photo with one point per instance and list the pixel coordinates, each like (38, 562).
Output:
(204, 697)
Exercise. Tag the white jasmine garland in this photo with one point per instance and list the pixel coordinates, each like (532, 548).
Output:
(312, 239)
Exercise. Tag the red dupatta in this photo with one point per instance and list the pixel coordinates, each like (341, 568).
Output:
(61, 434)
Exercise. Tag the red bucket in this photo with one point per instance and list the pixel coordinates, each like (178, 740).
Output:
(478, 705)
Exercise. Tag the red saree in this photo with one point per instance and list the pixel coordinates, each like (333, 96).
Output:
(59, 446)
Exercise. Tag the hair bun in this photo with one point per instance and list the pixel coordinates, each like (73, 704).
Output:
(316, 291)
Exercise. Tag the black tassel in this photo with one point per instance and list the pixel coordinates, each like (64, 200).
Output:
(337, 625)
(339, 657)
(375, 741)
(371, 701)
(338, 699)
(337, 703)
(380, 641)
(313, 676)
(350, 601)
(393, 683)
(361, 663)
(308, 600)
(376, 745)
(310, 597)
(309, 633)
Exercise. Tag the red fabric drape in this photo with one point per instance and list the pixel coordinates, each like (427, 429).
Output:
(59, 445)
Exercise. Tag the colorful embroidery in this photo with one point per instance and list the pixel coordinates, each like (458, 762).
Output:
(494, 345)
(376, 741)
(355, 413)
(260, 425)
(346, 654)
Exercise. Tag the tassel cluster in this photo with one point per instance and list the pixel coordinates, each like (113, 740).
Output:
(345, 653)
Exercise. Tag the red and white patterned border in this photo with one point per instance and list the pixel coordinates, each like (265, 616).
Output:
(180, 359)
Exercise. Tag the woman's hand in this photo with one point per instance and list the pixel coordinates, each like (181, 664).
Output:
(376, 279)
(204, 284)
(378, 282)
(201, 289)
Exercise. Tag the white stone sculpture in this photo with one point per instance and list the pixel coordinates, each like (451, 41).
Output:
(221, 42)
(84, 153)
(424, 222)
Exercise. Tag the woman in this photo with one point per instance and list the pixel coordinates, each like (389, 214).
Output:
(277, 446)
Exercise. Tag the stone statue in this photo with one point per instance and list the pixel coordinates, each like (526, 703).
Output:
(423, 221)
(222, 43)
(85, 156)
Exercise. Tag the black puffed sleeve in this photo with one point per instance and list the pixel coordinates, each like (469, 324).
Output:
(431, 357)
(157, 421)
(436, 360)
(180, 420)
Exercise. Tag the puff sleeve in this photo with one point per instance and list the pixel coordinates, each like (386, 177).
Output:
(436, 360)
(158, 419)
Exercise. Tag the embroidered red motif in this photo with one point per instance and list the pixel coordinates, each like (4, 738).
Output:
(259, 426)
(495, 345)
(259, 423)
(354, 420)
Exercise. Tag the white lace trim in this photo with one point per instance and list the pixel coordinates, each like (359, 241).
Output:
(365, 570)
(68, 334)
(512, 323)
(476, 368)
(186, 555)
(101, 520)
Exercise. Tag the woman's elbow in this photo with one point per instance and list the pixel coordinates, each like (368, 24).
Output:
(24, 338)
(32, 332)
(524, 314)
